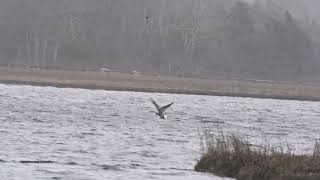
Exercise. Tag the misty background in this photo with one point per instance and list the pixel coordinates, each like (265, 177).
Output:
(264, 39)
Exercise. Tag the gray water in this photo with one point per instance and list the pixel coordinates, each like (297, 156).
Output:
(97, 135)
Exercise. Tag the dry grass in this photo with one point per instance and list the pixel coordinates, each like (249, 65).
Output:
(233, 156)
(154, 83)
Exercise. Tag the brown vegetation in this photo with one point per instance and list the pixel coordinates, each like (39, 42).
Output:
(155, 83)
(233, 156)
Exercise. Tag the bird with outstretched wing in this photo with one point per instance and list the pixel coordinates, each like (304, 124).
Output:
(161, 110)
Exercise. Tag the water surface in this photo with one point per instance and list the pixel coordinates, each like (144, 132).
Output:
(96, 135)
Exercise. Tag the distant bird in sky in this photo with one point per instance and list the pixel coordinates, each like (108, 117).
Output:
(161, 110)
(147, 19)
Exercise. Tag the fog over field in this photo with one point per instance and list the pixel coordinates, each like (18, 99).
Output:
(265, 39)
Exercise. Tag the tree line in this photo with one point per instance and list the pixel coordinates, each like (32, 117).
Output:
(202, 38)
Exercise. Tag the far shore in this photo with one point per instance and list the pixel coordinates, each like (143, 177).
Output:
(162, 84)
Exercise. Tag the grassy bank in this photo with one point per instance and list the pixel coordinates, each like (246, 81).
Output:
(232, 156)
(154, 83)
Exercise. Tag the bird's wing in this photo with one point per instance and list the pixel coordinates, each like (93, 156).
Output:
(155, 104)
(164, 108)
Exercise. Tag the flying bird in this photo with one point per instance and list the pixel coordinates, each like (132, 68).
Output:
(161, 110)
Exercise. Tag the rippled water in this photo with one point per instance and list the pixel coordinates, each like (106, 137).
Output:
(94, 134)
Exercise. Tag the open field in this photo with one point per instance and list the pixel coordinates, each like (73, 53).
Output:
(153, 83)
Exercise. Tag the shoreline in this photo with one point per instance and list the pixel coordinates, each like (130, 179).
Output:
(150, 90)
(158, 84)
